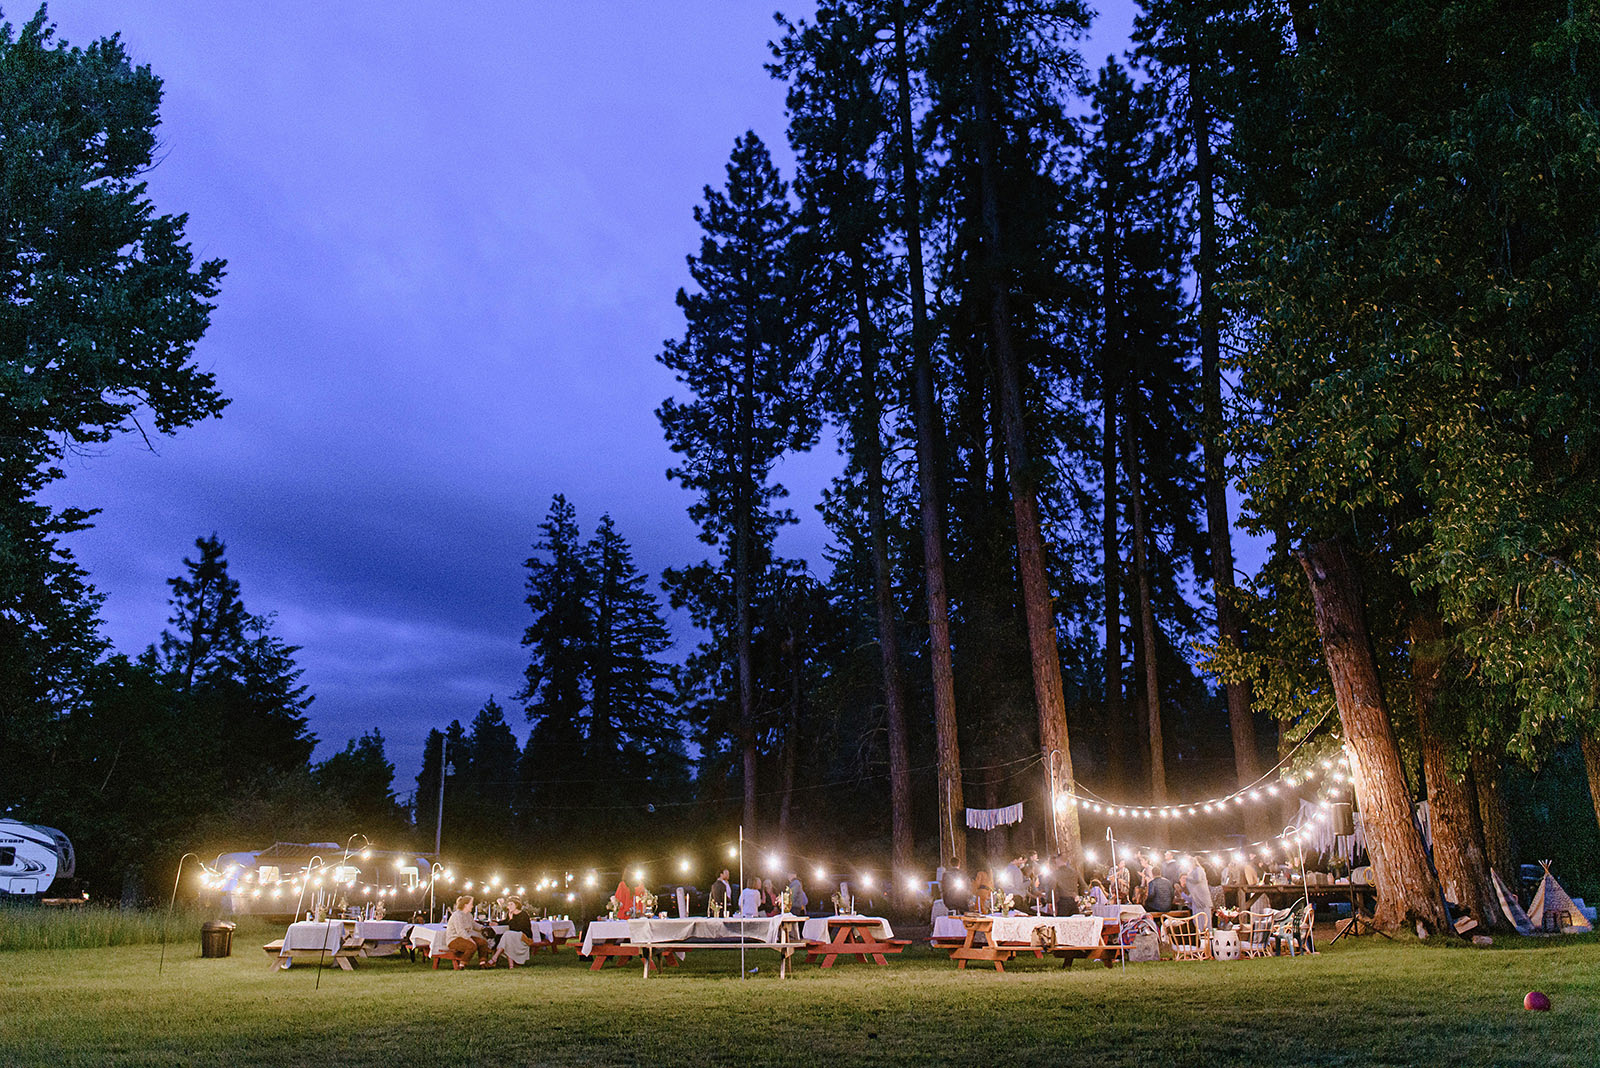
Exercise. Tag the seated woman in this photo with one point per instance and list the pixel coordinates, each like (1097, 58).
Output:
(463, 936)
(515, 945)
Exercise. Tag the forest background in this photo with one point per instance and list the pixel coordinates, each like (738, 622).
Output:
(1049, 314)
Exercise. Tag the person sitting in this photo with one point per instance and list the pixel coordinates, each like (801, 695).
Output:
(750, 900)
(462, 935)
(769, 899)
(516, 944)
(983, 887)
(1098, 893)
(1158, 893)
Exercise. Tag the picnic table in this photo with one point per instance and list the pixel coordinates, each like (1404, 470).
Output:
(319, 940)
(1069, 937)
(852, 937)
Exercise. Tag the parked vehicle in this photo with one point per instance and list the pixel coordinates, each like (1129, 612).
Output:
(32, 858)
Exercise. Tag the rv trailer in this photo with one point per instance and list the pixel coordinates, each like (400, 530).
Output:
(33, 857)
(288, 878)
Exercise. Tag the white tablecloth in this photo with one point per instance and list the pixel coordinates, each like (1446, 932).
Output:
(423, 934)
(604, 931)
(309, 934)
(816, 929)
(689, 928)
(1114, 912)
(949, 927)
(1070, 930)
(382, 930)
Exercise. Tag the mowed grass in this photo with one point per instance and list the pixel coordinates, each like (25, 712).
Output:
(1363, 1003)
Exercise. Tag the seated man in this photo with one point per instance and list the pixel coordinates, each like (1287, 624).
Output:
(1158, 893)
(955, 891)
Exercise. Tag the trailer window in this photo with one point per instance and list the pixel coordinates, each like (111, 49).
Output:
(8, 856)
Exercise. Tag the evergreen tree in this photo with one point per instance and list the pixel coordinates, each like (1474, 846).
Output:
(361, 778)
(208, 619)
(838, 124)
(743, 363)
(560, 642)
(103, 306)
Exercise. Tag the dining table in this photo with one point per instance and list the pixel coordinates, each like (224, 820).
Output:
(852, 937)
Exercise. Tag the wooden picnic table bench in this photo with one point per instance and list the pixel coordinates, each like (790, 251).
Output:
(786, 950)
(853, 937)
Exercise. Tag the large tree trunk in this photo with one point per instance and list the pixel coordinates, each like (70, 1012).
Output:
(791, 735)
(1110, 397)
(1591, 763)
(1495, 815)
(1246, 762)
(1147, 615)
(1457, 845)
(1408, 890)
(870, 443)
(743, 565)
(952, 829)
(1038, 606)
(1116, 710)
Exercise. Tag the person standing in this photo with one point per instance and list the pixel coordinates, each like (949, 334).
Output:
(797, 895)
(750, 899)
(721, 893)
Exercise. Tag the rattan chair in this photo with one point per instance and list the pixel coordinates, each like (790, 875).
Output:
(1187, 937)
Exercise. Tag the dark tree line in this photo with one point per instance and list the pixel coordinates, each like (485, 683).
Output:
(1334, 256)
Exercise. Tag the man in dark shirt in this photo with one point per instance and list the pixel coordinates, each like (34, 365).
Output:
(956, 891)
(1158, 894)
(722, 891)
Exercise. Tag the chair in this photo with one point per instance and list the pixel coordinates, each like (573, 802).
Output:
(1255, 934)
(1291, 930)
(1189, 939)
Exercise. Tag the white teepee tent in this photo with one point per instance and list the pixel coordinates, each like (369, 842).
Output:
(1552, 909)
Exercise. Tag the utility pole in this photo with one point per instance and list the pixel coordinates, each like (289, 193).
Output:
(438, 826)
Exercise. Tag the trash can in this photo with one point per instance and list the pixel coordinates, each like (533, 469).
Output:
(216, 939)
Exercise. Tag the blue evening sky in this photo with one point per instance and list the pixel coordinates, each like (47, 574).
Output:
(454, 233)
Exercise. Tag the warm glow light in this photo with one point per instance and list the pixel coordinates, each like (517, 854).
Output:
(774, 862)
(958, 883)
(589, 880)
(733, 852)
(366, 854)
(638, 875)
(866, 881)
(822, 874)
(912, 884)
(1088, 854)
(520, 891)
(683, 865)
(572, 897)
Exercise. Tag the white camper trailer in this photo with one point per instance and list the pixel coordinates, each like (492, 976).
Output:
(33, 857)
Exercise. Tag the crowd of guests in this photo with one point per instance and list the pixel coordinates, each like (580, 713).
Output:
(1160, 882)
(758, 898)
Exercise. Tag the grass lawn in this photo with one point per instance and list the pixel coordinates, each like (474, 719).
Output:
(1366, 1003)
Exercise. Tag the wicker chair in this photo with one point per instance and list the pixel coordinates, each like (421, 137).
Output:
(1255, 934)
(1187, 937)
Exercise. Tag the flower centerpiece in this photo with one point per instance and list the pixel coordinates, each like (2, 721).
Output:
(611, 907)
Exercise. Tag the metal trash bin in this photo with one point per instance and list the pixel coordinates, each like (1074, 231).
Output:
(216, 939)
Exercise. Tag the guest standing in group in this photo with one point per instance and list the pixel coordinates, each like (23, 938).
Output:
(721, 892)
(463, 936)
(797, 895)
(750, 900)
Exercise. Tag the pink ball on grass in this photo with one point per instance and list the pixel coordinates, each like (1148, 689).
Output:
(1536, 1002)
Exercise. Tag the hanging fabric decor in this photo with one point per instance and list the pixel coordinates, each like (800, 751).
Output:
(987, 819)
